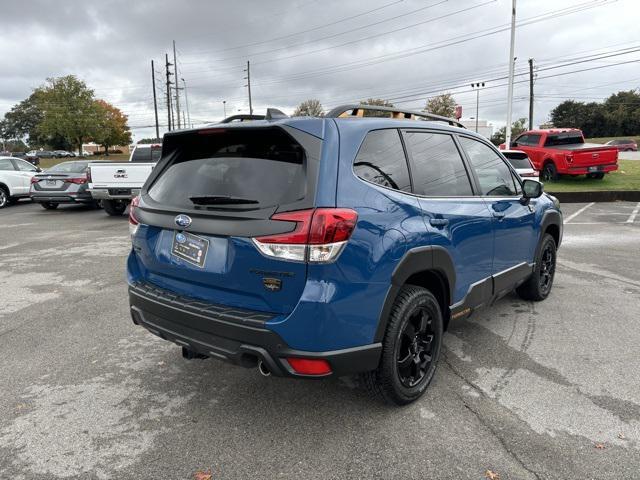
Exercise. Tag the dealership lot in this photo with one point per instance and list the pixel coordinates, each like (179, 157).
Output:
(545, 390)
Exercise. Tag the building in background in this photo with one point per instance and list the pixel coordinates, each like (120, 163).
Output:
(484, 127)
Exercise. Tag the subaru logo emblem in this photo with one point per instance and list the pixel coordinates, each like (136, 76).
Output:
(183, 220)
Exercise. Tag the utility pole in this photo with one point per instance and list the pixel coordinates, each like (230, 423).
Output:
(169, 83)
(511, 72)
(186, 101)
(175, 71)
(531, 94)
(248, 85)
(155, 101)
(477, 87)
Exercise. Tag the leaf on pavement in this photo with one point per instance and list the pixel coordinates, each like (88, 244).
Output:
(491, 475)
(202, 475)
(600, 446)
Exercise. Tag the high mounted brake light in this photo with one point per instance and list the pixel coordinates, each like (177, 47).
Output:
(319, 235)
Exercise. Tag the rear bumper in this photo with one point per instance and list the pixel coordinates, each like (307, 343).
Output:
(584, 170)
(50, 197)
(114, 193)
(236, 336)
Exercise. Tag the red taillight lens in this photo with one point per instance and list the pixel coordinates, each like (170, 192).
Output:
(319, 235)
(133, 220)
(76, 180)
(309, 366)
(34, 180)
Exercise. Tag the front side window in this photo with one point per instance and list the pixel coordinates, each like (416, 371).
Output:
(381, 160)
(534, 140)
(493, 174)
(437, 166)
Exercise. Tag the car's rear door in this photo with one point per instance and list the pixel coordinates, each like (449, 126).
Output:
(219, 188)
(513, 223)
(10, 175)
(455, 218)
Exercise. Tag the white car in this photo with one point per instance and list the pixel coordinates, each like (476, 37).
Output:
(15, 179)
(521, 162)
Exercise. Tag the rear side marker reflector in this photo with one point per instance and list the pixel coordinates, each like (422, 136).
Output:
(309, 366)
(319, 235)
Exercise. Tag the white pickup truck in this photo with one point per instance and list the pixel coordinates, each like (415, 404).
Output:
(116, 183)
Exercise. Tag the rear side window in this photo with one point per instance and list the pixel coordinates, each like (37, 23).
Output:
(233, 168)
(494, 175)
(5, 164)
(437, 166)
(381, 160)
(146, 154)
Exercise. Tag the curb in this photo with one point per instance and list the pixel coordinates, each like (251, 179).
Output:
(598, 196)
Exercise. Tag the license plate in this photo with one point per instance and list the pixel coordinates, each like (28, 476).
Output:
(595, 169)
(190, 248)
(51, 183)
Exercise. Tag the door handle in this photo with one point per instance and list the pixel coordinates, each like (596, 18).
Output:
(438, 222)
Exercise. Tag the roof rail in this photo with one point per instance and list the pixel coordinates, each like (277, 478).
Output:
(242, 118)
(355, 110)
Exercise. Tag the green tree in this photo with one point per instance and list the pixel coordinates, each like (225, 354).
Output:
(378, 102)
(309, 108)
(444, 105)
(149, 140)
(112, 128)
(69, 110)
(517, 128)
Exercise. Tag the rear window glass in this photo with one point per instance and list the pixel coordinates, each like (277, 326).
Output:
(519, 162)
(234, 168)
(69, 167)
(563, 139)
(146, 154)
(381, 160)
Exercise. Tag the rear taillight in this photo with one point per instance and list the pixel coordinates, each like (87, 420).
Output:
(530, 174)
(134, 223)
(319, 235)
(569, 158)
(34, 180)
(76, 180)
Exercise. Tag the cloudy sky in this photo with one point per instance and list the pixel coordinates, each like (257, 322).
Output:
(333, 50)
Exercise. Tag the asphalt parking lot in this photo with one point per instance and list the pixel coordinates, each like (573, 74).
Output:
(527, 391)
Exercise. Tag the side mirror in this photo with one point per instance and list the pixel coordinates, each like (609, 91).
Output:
(531, 189)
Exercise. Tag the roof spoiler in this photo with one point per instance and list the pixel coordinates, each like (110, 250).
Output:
(242, 118)
(356, 110)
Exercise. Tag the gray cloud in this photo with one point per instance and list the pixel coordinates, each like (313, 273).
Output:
(110, 44)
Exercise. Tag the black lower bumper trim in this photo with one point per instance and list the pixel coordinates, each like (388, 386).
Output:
(240, 344)
(60, 199)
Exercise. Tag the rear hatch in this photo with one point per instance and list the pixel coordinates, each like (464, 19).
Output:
(227, 182)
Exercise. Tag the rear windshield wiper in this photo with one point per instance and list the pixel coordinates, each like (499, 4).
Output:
(221, 200)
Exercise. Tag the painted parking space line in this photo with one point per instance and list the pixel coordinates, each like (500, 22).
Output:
(634, 214)
(575, 214)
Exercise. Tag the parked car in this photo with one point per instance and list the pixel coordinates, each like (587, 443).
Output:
(623, 145)
(15, 178)
(563, 151)
(116, 183)
(520, 161)
(62, 154)
(32, 159)
(317, 247)
(41, 153)
(65, 182)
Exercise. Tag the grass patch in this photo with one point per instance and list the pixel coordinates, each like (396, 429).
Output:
(606, 139)
(114, 157)
(627, 177)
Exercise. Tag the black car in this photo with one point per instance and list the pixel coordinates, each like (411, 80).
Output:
(32, 159)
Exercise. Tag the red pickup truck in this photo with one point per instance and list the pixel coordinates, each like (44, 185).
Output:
(563, 151)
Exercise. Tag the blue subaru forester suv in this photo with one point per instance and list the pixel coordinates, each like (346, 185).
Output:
(316, 247)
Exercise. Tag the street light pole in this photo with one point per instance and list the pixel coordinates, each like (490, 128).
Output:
(511, 72)
(477, 87)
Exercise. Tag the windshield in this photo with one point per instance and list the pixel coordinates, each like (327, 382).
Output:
(570, 138)
(69, 167)
(237, 168)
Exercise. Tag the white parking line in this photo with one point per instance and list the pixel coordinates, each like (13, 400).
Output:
(575, 214)
(633, 215)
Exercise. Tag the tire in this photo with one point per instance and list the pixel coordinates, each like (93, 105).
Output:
(539, 284)
(398, 382)
(596, 176)
(4, 197)
(549, 172)
(115, 208)
(49, 205)
(96, 205)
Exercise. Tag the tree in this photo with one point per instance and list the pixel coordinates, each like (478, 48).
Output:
(443, 105)
(309, 108)
(378, 102)
(517, 128)
(149, 141)
(112, 126)
(69, 110)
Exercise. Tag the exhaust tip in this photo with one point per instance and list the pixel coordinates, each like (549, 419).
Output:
(263, 369)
